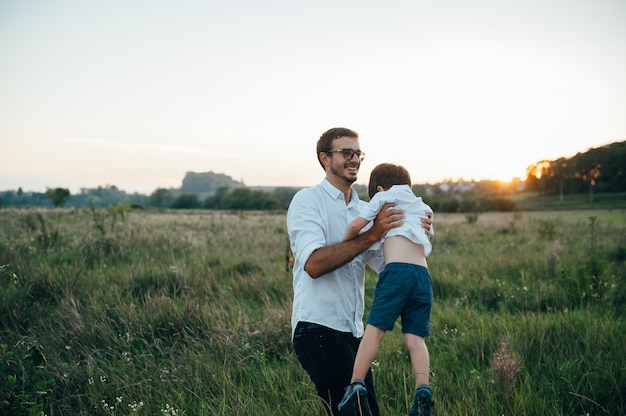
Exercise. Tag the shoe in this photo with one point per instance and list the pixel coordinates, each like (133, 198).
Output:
(422, 402)
(354, 401)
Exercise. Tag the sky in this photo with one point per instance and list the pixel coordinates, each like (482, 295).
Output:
(137, 93)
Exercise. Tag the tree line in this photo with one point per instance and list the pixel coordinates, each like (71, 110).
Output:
(102, 197)
(225, 198)
(599, 170)
(442, 198)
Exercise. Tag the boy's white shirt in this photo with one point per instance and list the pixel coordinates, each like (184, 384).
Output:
(414, 210)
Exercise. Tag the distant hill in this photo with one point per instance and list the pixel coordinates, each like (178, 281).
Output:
(207, 182)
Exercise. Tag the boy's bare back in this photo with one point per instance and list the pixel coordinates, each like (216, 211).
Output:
(399, 249)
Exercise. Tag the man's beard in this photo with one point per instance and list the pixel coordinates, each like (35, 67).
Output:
(340, 174)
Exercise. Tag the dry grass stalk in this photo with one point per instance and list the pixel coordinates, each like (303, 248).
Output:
(504, 368)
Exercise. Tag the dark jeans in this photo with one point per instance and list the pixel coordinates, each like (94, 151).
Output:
(328, 356)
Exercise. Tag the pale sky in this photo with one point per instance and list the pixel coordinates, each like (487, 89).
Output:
(136, 93)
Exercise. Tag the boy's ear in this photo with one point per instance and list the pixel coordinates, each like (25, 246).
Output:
(380, 188)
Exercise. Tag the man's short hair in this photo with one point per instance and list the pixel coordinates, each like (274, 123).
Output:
(325, 142)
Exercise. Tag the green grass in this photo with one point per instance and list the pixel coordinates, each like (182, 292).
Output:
(586, 201)
(161, 312)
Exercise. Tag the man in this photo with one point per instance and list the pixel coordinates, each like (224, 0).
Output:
(328, 273)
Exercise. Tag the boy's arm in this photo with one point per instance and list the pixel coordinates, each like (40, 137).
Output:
(328, 258)
(354, 227)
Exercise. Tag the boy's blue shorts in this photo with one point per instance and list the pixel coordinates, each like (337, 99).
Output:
(404, 290)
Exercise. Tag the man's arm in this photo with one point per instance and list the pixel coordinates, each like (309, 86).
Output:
(354, 227)
(328, 258)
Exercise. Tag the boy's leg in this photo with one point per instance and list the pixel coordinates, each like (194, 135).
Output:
(420, 359)
(367, 351)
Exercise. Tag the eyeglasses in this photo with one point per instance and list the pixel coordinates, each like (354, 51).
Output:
(349, 153)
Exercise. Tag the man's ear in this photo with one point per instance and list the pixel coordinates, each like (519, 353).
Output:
(323, 157)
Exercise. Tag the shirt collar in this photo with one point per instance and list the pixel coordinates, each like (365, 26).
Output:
(337, 194)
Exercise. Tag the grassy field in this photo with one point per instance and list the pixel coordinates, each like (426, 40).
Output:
(119, 312)
(536, 202)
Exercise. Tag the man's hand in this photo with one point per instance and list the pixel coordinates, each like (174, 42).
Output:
(426, 223)
(328, 258)
(387, 218)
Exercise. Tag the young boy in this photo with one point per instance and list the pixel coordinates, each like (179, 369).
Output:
(404, 288)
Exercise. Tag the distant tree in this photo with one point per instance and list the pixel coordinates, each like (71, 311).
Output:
(419, 190)
(237, 199)
(186, 201)
(593, 175)
(161, 198)
(537, 176)
(265, 200)
(103, 197)
(58, 196)
(285, 195)
(600, 169)
(215, 201)
(497, 204)
(245, 198)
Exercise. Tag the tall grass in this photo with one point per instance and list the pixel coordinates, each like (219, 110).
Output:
(118, 312)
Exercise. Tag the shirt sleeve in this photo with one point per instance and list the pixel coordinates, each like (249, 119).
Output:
(370, 209)
(305, 226)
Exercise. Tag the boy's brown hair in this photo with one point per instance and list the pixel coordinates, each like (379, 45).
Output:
(387, 175)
